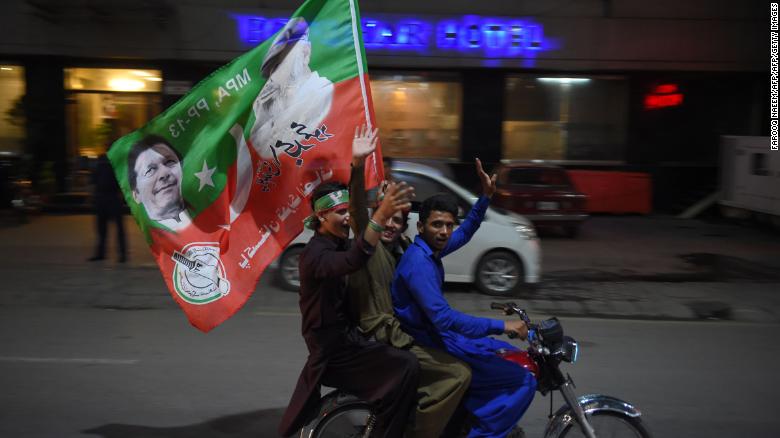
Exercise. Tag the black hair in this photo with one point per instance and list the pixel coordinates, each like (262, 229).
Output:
(405, 215)
(148, 142)
(438, 202)
(387, 163)
(319, 192)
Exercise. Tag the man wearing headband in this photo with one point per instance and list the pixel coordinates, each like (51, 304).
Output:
(443, 379)
(339, 356)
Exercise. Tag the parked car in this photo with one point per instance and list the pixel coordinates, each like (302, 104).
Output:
(542, 193)
(502, 257)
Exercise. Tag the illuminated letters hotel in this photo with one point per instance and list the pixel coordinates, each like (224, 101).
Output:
(489, 37)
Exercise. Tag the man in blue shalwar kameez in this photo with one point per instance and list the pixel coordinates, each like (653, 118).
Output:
(500, 390)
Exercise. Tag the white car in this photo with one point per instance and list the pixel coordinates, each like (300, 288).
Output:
(503, 255)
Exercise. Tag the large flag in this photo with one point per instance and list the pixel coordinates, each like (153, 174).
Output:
(221, 181)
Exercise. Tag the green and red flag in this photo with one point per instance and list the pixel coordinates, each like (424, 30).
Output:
(221, 181)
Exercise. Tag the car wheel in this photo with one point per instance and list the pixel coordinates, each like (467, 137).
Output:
(500, 273)
(289, 277)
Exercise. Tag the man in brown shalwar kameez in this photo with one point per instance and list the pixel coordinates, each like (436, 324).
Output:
(339, 356)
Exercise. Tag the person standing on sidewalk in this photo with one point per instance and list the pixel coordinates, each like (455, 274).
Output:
(443, 379)
(108, 208)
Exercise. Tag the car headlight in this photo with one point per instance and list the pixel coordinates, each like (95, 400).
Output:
(527, 231)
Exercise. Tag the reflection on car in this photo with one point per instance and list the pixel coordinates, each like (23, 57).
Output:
(502, 257)
(542, 193)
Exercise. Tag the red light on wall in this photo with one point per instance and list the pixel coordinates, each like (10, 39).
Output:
(665, 89)
(655, 101)
(663, 96)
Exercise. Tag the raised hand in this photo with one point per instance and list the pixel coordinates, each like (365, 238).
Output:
(398, 196)
(363, 144)
(488, 182)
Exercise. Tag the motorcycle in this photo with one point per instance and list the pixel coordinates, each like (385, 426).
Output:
(343, 415)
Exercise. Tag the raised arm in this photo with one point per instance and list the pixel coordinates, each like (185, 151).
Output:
(363, 145)
(397, 196)
(476, 215)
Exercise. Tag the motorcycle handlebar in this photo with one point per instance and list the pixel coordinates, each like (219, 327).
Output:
(535, 338)
(508, 308)
(512, 308)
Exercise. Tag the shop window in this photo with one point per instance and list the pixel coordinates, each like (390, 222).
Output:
(567, 119)
(106, 103)
(12, 117)
(418, 115)
(102, 105)
(113, 80)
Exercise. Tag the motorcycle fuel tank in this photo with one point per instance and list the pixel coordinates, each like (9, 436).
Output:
(521, 358)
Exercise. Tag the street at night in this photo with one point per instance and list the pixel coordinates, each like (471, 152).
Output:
(389, 219)
(101, 349)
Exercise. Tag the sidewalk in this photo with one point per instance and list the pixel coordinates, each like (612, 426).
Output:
(621, 267)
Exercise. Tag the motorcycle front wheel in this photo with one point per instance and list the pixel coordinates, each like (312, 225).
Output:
(609, 425)
(344, 422)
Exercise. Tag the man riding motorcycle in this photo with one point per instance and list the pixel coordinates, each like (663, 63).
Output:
(339, 355)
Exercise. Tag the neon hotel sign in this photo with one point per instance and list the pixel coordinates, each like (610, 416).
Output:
(469, 34)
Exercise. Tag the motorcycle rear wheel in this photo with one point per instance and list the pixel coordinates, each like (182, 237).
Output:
(345, 422)
(609, 425)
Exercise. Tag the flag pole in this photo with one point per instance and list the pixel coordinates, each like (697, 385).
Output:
(359, 56)
(361, 71)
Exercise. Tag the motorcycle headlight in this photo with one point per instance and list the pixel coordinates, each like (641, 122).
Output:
(527, 231)
(570, 349)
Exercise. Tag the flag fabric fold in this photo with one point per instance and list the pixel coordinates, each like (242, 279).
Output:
(221, 181)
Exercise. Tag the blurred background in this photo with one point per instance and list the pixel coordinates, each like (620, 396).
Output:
(631, 134)
(592, 84)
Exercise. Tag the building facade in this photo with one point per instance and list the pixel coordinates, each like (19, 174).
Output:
(616, 84)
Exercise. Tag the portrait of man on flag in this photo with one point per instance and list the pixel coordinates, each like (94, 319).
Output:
(154, 169)
(293, 94)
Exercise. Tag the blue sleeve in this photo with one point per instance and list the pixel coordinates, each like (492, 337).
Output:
(468, 227)
(425, 290)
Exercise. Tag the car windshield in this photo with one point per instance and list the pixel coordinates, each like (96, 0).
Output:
(536, 176)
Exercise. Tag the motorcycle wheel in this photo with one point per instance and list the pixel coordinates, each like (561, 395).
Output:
(344, 422)
(609, 425)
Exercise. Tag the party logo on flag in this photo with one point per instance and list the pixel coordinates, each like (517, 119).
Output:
(199, 276)
(234, 162)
